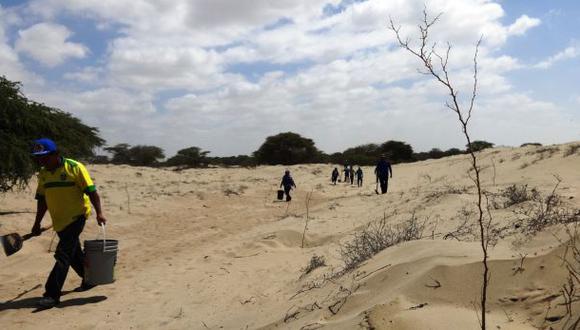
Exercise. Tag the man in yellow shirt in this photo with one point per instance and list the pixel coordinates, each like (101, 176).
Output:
(66, 190)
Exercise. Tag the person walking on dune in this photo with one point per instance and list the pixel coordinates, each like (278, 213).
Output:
(66, 190)
(351, 170)
(359, 177)
(346, 173)
(287, 183)
(383, 171)
(334, 175)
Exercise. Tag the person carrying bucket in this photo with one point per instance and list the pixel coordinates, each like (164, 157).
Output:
(287, 183)
(66, 190)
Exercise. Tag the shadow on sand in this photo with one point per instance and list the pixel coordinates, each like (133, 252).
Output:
(32, 303)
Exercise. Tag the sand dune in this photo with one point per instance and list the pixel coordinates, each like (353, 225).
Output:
(213, 249)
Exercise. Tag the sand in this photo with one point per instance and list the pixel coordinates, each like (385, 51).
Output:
(214, 249)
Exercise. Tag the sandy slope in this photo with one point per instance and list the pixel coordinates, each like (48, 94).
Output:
(211, 248)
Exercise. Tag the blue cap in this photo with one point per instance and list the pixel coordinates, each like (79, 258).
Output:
(43, 147)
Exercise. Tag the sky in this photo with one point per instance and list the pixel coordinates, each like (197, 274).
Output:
(223, 75)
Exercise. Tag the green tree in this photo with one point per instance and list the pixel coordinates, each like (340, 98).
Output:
(397, 151)
(287, 149)
(120, 153)
(366, 154)
(479, 145)
(189, 157)
(145, 155)
(22, 121)
(123, 153)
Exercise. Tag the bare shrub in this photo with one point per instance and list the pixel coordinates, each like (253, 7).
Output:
(570, 290)
(542, 212)
(513, 195)
(572, 150)
(377, 236)
(315, 262)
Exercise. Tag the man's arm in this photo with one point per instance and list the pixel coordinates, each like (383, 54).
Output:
(96, 201)
(40, 212)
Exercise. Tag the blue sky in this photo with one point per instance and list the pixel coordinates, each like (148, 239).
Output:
(223, 75)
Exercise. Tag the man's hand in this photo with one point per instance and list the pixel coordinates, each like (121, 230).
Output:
(101, 219)
(36, 230)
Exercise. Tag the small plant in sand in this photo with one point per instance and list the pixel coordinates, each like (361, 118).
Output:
(377, 236)
(315, 262)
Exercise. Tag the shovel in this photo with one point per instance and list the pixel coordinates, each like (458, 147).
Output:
(12, 243)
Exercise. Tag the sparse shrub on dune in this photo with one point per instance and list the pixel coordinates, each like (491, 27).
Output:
(315, 262)
(572, 150)
(513, 195)
(377, 236)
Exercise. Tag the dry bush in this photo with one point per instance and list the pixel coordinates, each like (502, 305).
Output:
(513, 195)
(447, 190)
(315, 262)
(570, 290)
(541, 212)
(377, 236)
(572, 150)
(467, 229)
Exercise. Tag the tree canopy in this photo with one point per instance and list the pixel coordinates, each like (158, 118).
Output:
(22, 121)
(189, 157)
(287, 149)
(140, 155)
(479, 145)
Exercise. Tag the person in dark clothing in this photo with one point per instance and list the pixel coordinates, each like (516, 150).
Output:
(383, 171)
(351, 170)
(346, 173)
(287, 183)
(334, 175)
(359, 177)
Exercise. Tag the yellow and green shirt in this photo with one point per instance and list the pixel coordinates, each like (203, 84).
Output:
(64, 192)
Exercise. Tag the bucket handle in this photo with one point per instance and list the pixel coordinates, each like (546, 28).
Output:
(105, 249)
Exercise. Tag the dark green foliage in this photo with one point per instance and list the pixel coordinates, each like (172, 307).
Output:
(436, 153)
(240, 160)
(23, 121)
(189, 157)
(366, 154)
(479, 145)
(397, 151)
(287, 149)
(536, 144)
(136, 156)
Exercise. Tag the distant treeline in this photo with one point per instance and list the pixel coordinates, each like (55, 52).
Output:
(23, 120)
(281, 149)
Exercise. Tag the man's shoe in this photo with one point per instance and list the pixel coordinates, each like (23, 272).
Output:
(47, 302)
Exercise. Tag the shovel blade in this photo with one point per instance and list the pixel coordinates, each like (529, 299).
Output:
(11, 243)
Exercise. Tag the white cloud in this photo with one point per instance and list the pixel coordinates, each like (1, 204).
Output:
(523, 24)
(47, 43)
(168, 72)
(88, 74)
(568, 53)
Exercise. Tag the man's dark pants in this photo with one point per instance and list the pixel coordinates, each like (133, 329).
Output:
(384, 182)
(287, 192)
(68, 253)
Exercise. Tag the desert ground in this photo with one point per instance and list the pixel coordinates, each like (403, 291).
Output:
(212, 248)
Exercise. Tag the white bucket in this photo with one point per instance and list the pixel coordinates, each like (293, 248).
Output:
(100, 260)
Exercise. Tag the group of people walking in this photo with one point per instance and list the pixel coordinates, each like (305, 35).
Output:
(383, 171)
